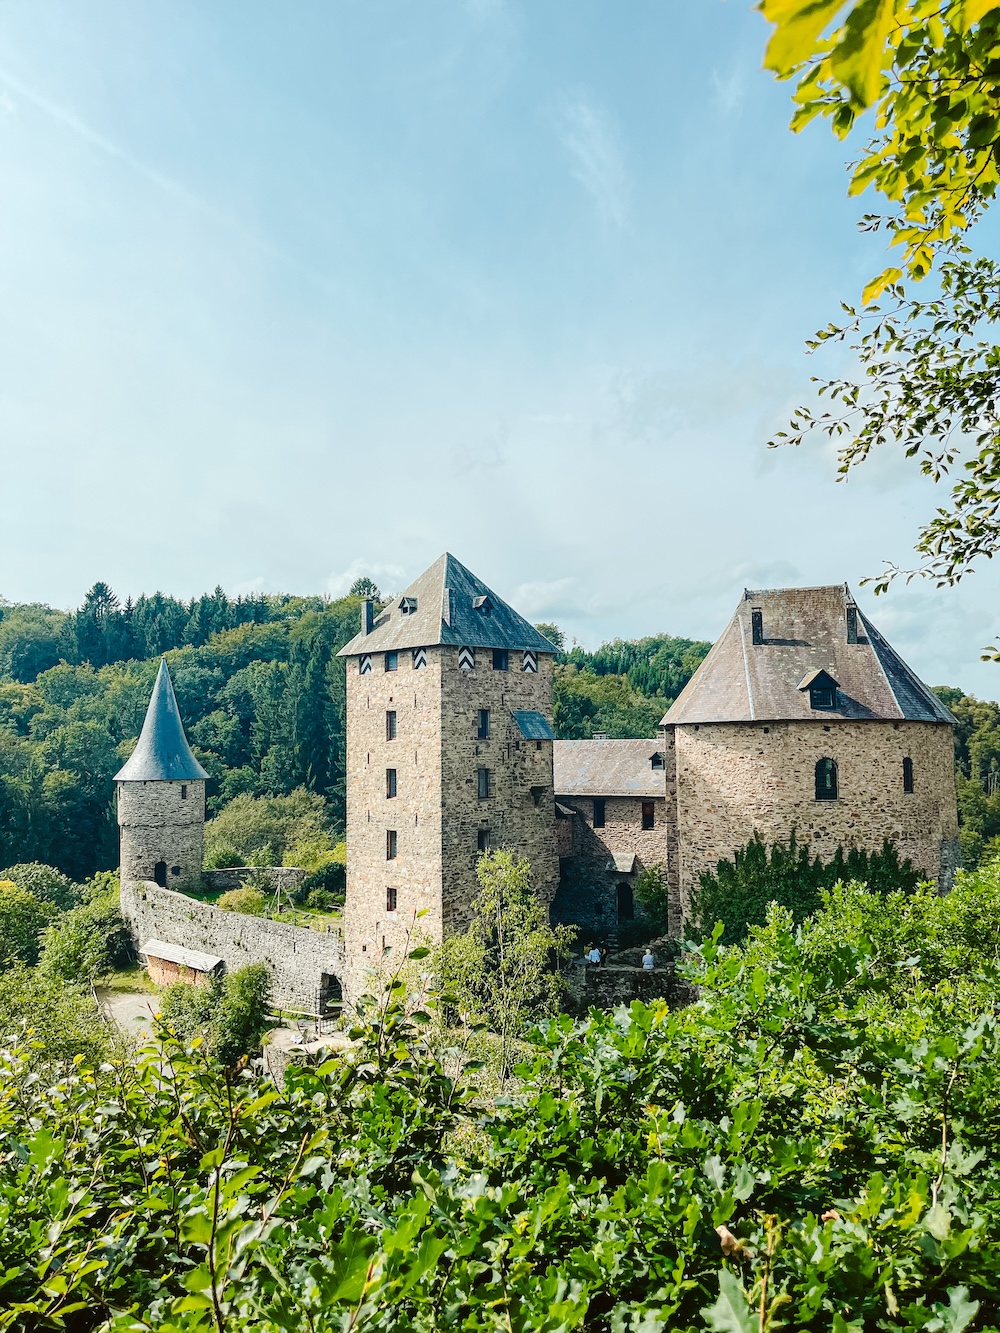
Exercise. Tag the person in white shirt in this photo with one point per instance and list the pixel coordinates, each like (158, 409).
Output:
(595, 955)
(648, 961)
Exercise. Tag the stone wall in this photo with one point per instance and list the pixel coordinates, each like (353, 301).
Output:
(162, 822)
(734, 779)
(436, 814)
(591, 987)
(302, 961)
(588, 889)
(520, 811)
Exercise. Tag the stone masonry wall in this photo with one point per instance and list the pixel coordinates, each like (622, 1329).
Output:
(162, 821)
(737, 778)
(588, 890)
(299, 959)
(414, 814)
(520, 812)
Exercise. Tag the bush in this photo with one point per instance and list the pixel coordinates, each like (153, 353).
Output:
(246, 899)
(741, 890)
(231, 1014)
(260, 829)
(322, 900)
(61, 1019)
(88, 941)
(23, 917)
(221, 856)
(45, 882)
(240, 1018)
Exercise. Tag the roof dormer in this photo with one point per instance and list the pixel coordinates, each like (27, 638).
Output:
(822, 689)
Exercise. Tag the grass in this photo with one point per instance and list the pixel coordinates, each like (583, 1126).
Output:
(134, 980)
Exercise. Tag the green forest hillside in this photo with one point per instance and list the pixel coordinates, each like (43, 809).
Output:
(261, 691)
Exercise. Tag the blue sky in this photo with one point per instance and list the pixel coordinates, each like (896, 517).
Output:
(290, 293)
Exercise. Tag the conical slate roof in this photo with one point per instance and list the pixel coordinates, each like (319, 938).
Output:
(802, 631)
(448, 604)
(162, 753)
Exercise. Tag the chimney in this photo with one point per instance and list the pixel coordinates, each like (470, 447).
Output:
(446, 606)
(367, 616)
(757, 626)
(852, 623)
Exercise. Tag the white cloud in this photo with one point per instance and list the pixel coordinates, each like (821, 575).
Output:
(7, 104)
(390, 578)
(729, 90)
(589, 137)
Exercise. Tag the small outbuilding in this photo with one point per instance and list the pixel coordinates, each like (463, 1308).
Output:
(167, 963)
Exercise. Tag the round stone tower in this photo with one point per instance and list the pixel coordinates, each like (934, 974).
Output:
(161, 798)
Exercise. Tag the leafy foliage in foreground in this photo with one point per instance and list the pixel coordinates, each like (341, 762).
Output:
(741, 890)
(812, 1145)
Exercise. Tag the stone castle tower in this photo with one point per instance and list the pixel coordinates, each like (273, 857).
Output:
(803, 717)
(449, 754)
(161, 798)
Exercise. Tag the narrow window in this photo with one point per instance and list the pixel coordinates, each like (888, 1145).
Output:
(598, 812)
(184, 791)
(483, 729)
(484, 783)
(908, 775)
(390, 844)
(160, 873)
(626, 907)
(501, 659)
(390, 783)
(392, 661)
(390, 900)
(826, 780)
(757, 627)
(648, 814)
(390, 724)
(175, 870)
(483, 840)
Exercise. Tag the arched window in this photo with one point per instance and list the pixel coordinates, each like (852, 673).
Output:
(826, 780)
(626, 907)
(908, 775)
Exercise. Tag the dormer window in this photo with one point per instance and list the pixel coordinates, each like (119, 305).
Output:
(656, 761)
(822, 689)
(482, 604)
(407, 605)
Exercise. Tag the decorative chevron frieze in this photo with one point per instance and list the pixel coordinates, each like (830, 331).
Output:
(467, 659)
(366, 664)
(419, 659)
(529, 661)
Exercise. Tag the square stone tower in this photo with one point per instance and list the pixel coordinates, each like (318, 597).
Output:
(449, 754)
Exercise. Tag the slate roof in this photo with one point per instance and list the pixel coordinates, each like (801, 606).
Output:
(162, 753)
(804, 631)
(607, 768)
(532, 725)
(446, 597)
(176, 953)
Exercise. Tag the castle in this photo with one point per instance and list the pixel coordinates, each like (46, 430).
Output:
(801, 717)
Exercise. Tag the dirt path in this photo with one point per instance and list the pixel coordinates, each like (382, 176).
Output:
(133, 1013)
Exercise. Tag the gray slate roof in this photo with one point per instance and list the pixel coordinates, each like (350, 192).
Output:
(162, 753)
(607, 768)
(446, 613)
(532, 725)
(804, 631)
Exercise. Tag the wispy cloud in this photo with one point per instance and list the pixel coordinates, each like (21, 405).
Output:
(589, 136)
(729, 90)
(388, 577)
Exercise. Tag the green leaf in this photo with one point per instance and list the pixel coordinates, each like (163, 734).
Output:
(957, 1315)
(731, 1313)
(859, 55)
(799, 24)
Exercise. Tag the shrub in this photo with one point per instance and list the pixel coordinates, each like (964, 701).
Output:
(44, 882)
(221, 856)
(187, 1010)
(246, 899)
(260, 829)
(88, 941)
(23, 917)
(240, 1017)
(61, 1019)
(741, 890)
